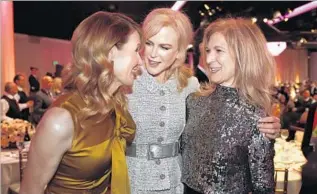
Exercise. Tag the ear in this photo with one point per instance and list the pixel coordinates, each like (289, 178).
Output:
(112, 53)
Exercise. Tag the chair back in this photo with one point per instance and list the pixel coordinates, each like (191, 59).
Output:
(23, 154)
(311, 125)
(285, 180)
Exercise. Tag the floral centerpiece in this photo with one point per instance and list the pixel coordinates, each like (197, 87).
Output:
(13, 130)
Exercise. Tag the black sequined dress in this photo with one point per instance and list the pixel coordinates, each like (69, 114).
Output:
(223, 150)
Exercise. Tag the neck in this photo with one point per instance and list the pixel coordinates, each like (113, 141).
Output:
(161, 78)
(228, 85)
(9, 94)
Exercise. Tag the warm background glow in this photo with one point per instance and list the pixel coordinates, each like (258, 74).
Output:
(7, 42)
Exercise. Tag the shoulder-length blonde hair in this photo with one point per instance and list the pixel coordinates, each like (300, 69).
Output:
(163, 17)
(90, 72)
(255, 66)
(57, 85)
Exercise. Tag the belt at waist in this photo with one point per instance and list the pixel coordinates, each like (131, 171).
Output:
(153, 151)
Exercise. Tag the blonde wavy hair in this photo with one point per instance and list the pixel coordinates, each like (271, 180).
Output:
(255, 66)
(57, 85)
(90, 72)
(166, 17)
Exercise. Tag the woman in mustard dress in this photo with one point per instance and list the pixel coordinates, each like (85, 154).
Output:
(79, 146)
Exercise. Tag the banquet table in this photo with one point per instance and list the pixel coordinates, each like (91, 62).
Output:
(288, 155)
(10, 172)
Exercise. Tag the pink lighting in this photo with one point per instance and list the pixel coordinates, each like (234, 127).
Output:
(276, 48)
(297, 11)
(7, 42)
(178, 5)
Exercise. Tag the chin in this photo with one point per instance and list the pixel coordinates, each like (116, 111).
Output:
(154, 72)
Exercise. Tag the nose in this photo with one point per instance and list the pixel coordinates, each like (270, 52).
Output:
(210, 57)
(154, 52)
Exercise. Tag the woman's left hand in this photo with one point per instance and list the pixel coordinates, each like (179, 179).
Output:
(270, 126)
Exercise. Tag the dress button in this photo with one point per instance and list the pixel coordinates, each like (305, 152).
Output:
(162, 124)
(162, 93)
(162, 108)
(158, 162)
(160, 139)
(162, 176)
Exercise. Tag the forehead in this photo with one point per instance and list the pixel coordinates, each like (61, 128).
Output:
(217, 39)
(134, 38)
(165, 35)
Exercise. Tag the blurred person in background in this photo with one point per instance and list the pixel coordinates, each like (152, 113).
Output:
(10, 106)
(20, 81)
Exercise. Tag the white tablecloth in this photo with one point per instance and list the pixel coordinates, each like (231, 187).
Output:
(289, 155)
(10, 172)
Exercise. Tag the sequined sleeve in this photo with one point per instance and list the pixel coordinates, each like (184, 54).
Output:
(260, 158)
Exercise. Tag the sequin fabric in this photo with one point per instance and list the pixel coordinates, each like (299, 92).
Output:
(223, 151)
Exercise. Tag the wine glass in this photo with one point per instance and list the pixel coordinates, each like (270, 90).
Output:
(20, 142)
(284, 134)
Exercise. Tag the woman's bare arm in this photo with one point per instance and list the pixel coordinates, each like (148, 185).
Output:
(52, 139)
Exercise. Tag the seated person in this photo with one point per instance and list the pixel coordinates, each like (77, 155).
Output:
(291, 118)
(42, 99)
(10, 108)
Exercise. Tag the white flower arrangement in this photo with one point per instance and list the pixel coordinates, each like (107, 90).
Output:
(13, 130)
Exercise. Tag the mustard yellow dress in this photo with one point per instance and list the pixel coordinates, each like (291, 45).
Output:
(96, 159)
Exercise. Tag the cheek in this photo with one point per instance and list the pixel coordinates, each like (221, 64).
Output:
(122, 64)
(168, 57)
(146, 51)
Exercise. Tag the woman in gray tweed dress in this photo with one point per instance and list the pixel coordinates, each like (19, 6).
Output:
(157, 105)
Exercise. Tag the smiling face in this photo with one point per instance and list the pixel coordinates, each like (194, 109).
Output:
(161, 51)
(220, 63)
(126, 60)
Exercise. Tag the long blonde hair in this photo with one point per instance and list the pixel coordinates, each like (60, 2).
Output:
(163, 17)
(255, 66)
(90, 72)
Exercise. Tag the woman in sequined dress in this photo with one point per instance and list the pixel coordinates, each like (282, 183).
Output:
(223, 150)
(157, 105)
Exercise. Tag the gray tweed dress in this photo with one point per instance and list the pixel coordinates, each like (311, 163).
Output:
(159, 112)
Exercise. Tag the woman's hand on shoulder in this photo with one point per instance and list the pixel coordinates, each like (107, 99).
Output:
(52, 139)
(270, 127)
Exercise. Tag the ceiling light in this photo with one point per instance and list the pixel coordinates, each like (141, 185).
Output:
(276, 48)
(206, 6)
(286, 19)
(265, 20)
(277, 14)
(303, 40)
(178, 5)
(209, 13)
(289, 10)
(202, 14)
(254, 19)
